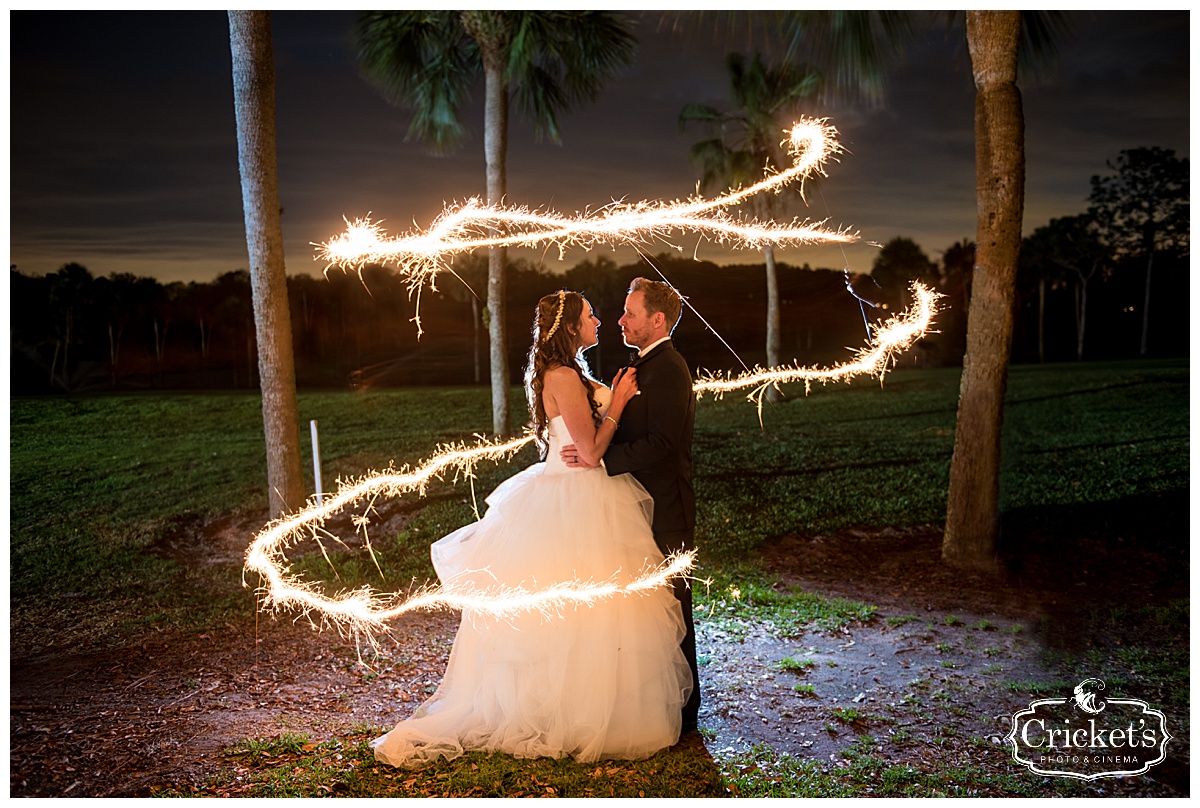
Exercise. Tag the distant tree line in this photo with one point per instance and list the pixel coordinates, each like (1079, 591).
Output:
(1082, 293)
(74, 332)
(1120, 266)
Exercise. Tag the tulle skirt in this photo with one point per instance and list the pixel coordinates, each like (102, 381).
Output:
(605, 680)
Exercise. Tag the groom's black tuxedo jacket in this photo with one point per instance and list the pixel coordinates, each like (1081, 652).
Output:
(654, 441)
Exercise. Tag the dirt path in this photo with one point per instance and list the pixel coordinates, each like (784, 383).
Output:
(925, 679)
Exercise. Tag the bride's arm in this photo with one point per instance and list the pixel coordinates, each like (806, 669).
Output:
(571, 400)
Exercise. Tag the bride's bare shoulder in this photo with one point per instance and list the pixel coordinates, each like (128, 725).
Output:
(560, 374)
(561, 380)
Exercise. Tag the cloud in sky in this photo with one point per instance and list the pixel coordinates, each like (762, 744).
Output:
(124, 156)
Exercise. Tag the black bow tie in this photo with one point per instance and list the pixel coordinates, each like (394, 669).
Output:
(634, 358)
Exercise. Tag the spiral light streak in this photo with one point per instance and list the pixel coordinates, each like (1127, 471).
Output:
(356, 610)
(364, 611)
(891, 338)
(420, 255)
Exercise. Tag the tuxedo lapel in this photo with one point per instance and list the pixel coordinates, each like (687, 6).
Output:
(655, 351)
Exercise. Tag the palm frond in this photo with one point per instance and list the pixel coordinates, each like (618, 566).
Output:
(747, 143)
(559, 59)
(420, 60)
(851, 47)
(428, 60)
(1042, 35)
(540, 96)
(700, 114)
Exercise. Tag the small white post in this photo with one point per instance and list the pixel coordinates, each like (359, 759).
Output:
(316, 460)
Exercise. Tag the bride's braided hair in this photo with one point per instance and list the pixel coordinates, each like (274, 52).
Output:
(555, 345)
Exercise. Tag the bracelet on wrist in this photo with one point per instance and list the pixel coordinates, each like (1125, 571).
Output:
(616, 424)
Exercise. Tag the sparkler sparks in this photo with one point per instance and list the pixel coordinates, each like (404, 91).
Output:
(890, 339)
(420, 255)
(357, 611)
(365, 611)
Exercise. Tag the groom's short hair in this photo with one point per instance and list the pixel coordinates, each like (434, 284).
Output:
(659, 297)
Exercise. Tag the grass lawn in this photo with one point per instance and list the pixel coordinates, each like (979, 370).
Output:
(99, 483)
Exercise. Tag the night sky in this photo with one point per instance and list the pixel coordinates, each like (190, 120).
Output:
(124, 157)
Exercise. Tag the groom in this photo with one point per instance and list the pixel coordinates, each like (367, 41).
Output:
(653, 442)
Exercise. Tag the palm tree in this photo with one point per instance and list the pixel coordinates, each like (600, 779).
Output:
(254, 103)
(973, 505)
(745, 143)
(547, 62)
(851, 49)
(855, 44)
(994, 39)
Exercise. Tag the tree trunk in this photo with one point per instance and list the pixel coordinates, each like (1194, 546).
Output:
(160, 342)
(1041, 319)
(112, 355)
(1146, 307)
(66, 378)
(495, 146)
(972, 515)
(475, 339)
(54, 361)
(254, 104)
(773, 336)
(1080, 317)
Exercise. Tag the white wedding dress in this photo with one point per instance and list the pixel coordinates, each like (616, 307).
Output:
(605, 680)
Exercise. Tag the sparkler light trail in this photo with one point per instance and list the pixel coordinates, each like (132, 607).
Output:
(420, 255)
(892, 338)
(364, 611)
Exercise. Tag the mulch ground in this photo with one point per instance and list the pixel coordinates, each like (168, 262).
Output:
(136, 721)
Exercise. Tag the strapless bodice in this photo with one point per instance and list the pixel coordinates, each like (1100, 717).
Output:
(560, 437)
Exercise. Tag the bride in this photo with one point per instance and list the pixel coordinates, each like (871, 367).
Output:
(605, 680)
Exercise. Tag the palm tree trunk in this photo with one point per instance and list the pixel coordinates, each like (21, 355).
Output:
(1146, 307)
(972, 514)
(773, 336)
(495, 145)
(254, 104)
